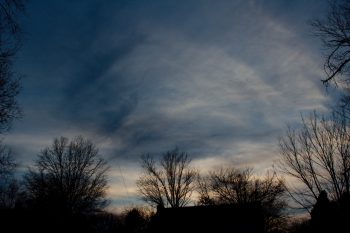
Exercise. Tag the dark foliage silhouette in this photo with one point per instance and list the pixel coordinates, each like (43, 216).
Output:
(317, 154)
(68, 176)
(169, 183)
(330, 216)
(299, 225)
(28, 220)
(10, 34)
(210, 218)
(322, 213)
(105, 222)
(136, 220)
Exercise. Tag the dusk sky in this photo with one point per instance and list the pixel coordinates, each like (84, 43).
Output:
(219, 79)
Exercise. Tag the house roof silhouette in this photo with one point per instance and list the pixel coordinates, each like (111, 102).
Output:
(214, 218)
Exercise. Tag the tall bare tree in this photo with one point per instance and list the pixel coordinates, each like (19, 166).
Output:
(10, 34)
(334, 32)
(169, 183)
(318, 155)
(68, 176)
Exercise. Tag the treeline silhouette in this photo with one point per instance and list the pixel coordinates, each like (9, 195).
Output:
(65, 191)
(62, 192)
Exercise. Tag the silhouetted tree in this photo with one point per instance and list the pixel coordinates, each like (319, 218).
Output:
(240, 187)
(169, 183)
(317, 154)
(7, 163)
(136, 220)
(8, 184)
(9, 44)
(69, 177)
(105, 222)
(10, 11)
(322, 214)
(334, 33)
(234, 186)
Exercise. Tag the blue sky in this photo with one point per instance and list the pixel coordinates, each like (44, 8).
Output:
(218, 79)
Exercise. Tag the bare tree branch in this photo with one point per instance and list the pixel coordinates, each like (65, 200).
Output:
(317, 154)
(334, 33)
(169, 183)
(10, 34)
(69, 175)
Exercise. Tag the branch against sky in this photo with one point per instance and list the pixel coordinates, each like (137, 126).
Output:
(317, 154)
(123, 73)
(10, 34)
(69, 176)
(334, 32)
(169, 183)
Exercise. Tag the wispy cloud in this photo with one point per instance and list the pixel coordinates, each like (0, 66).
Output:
(219, 80)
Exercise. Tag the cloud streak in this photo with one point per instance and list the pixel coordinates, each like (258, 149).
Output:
(219, 80)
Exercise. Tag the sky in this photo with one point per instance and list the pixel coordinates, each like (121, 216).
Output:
(220, 80)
